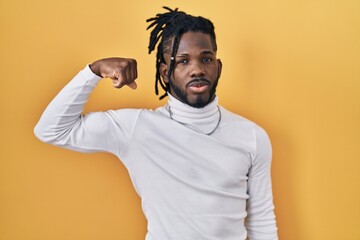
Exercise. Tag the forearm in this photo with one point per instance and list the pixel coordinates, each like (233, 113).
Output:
(261, 222)
(65, 109)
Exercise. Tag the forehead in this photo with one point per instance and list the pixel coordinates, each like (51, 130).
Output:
(191, 41)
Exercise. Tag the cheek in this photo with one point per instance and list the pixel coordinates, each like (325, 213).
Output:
(179, 76)
(215, 72)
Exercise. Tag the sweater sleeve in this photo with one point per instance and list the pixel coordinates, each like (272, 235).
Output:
(63, 124)
(260, 222)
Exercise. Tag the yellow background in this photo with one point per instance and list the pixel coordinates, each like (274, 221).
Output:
(291, 66)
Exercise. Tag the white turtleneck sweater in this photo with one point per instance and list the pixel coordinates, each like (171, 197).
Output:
(193, 186)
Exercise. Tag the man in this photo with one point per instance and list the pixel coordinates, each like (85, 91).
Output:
(201, 171)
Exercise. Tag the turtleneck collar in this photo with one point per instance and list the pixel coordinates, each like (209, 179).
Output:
(203, 120)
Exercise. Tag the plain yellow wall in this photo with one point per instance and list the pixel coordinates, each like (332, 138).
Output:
(291, 66)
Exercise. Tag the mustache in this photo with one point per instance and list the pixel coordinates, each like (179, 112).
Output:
(198, 80)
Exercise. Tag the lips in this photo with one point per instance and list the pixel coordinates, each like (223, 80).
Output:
(198, 82)
(198, 85)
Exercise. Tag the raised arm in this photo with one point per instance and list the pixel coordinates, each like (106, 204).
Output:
(63, 124)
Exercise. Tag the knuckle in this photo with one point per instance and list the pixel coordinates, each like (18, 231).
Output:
(122, 71)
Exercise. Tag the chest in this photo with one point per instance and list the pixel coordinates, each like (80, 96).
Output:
(167, 154)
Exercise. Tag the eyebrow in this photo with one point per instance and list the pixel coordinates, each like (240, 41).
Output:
(204, 52)
(207, 52)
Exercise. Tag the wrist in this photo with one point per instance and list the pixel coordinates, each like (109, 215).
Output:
(95, 68)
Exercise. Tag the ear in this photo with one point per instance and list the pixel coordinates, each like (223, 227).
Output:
(163, 72)
(219, 68)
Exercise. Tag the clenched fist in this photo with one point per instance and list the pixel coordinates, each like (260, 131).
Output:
(122, 71)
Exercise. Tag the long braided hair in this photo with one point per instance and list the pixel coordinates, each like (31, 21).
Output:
(168, 28)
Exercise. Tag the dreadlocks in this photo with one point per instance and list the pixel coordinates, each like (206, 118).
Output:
(168, 28)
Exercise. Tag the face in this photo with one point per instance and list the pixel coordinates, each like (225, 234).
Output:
(196, 70)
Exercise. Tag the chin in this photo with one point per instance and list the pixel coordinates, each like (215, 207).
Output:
(199, 101)
(196, 100)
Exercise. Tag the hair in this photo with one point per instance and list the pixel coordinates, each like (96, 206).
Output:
(168, 28)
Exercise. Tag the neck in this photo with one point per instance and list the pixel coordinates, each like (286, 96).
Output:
(204, 120)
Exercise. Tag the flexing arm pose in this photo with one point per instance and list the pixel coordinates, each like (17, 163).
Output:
(63, 124)
(201, 171)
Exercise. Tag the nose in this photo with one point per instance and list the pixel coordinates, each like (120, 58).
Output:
(197, 70)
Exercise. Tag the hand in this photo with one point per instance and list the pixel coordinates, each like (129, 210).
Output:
(122, 71)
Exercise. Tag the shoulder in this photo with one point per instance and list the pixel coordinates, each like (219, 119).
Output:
(242, 130)
(236, 121)
(137, 114)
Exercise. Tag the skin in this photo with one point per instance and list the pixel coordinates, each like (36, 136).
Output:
(196, 70)
(122, 71)
(195, 76)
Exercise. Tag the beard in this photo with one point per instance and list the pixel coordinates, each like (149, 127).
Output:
(199, 101)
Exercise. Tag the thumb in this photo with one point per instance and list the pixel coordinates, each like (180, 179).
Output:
(132, 85)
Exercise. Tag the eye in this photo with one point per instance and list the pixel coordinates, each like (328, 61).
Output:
(183, 61)
(207, 59)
